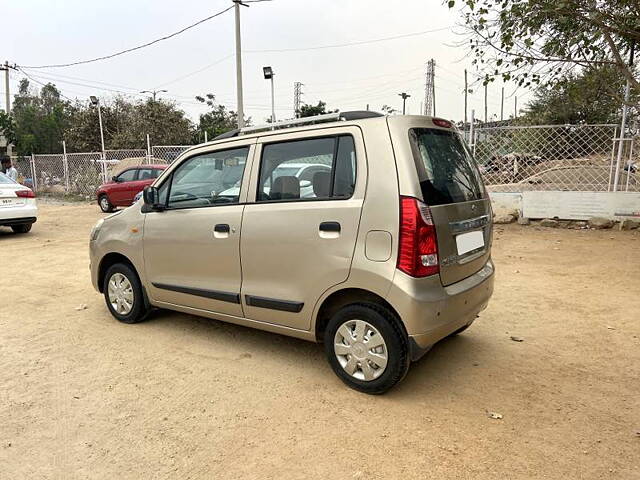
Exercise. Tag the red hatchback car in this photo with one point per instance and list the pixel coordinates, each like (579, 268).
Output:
(122, 188)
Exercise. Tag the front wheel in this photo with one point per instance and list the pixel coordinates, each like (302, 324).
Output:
(366, 348)
(22, 228)
(123, 294)
(105, 204)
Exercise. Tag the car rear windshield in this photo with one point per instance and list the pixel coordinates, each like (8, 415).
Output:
(5, 179)
(446, 170)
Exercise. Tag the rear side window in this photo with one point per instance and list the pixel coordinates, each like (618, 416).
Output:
(146, 174)
(315, 168)
(446, 171)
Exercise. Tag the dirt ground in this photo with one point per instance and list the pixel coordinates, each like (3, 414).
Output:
(83, 396)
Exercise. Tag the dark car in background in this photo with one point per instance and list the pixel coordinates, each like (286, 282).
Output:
(122, 189)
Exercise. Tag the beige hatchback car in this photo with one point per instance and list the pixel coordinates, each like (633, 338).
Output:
(386, 252)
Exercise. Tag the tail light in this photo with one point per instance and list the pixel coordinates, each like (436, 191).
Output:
(25, 193)
(418, 248)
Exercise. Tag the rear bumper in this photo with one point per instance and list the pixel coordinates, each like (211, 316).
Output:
(430, 312)
(7, 222)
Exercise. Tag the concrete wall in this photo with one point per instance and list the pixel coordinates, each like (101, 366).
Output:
(568, 205)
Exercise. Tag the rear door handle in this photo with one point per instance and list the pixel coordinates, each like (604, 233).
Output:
(329, 230)
(330, 227)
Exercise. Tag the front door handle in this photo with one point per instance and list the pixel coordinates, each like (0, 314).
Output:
(221, 230)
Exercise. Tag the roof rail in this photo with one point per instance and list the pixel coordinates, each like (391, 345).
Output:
(294, 122)
(299, 122)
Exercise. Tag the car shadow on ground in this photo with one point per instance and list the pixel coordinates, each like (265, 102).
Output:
(450, 357)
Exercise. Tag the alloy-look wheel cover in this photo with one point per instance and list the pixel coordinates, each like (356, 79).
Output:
(360, 350)
(120, 293)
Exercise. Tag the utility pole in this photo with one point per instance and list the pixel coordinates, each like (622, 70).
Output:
(623, 124)
(429, 88)
(297, 98)
(515, 107)
(239, 65)
(154, 92)
(7, 98)
(433, 87)
(485, 103)
(404, 101)
(502, 106)
(466, 91)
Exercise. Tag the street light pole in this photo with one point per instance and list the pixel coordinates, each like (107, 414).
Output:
(239, 66)
(95, 101)
(404, 101)
(273, 103)
(268, 75)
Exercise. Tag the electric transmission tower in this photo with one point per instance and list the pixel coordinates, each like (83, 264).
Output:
(430, 89)
(297, 98)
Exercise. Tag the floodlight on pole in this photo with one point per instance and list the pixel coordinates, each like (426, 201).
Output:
(268, 75)
(404, 101)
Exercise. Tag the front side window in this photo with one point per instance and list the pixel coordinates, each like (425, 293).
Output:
(446, 171)
(317, 168)
(205, 180)
(127, 176)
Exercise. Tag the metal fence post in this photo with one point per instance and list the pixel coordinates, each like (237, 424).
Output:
(65, 166)
(34, 179)
(472, 139)
(148, 150)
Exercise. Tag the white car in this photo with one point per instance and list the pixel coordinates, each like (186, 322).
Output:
(304, 171)
(18, 208)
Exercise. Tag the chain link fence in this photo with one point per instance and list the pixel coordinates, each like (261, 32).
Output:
(83, 173)
(556, 157)
(167, 153)
(511, 159)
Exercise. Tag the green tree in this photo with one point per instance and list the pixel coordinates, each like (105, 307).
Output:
(312, 110)
(218, 120)
(578, 98)
(40, 119)
(7, 127)
(542, 41)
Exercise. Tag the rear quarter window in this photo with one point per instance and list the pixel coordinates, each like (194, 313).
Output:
(446, 170)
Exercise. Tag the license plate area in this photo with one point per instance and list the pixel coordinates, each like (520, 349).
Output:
(11, 202)
(470, 242)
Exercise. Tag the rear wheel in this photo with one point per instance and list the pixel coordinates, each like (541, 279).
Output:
(22, 228)
(105, 204)
(366, 348)
(123, 294)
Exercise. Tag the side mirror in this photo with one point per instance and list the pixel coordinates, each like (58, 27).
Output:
(151, 198)
(115, 179)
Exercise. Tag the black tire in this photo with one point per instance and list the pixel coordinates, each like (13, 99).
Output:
(22, 228)
(395, 338)
(139, 309)
(105, 204)
(460, 330)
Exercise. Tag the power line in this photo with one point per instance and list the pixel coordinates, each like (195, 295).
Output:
(195, 71)
(105, 57)
(349, 44)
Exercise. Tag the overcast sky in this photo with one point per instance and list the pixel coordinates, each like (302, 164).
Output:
(42, 32)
